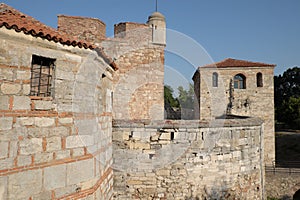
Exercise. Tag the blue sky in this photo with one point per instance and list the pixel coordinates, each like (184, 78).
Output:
(255, 30)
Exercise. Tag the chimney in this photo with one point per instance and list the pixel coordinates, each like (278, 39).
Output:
(87, 29)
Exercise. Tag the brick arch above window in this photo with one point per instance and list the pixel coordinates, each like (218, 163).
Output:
(239, 81)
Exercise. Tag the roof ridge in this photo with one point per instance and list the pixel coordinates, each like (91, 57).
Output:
(12, 18)
(232, 62)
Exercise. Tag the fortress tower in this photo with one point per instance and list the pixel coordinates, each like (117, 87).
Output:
(138, 50)
(238, 87)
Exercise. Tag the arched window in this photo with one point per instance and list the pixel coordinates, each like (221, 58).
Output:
(215, 79)
(239, 81)
(259, 80)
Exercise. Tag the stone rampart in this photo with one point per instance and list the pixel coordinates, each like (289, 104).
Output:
(188, 159)
(56, 147)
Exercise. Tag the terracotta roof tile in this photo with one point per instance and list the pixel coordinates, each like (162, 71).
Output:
(230, 62)
(14, 19)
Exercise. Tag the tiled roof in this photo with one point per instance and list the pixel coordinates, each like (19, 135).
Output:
(14, 19)
(230, 62)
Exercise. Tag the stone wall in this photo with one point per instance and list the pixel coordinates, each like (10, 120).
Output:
(56, 147)
(253, 101)
(188, 159)
(282, 183)
(139, 81)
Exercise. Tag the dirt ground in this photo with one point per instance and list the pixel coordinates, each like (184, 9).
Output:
(287, 146)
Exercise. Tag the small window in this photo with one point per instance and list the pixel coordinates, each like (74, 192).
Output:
(259, 80)
(41, 76)
(215, 79)
(239, 81)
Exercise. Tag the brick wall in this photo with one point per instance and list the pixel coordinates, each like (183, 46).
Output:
(123, 29)
(56, 147)
(87, 29)
(138, 84)
(188, 160)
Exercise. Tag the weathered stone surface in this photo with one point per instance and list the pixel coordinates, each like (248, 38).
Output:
(62, 154)
(24, 160)
(21, 103)
(189, 167)
(53, 143)
(4, 102)
(3, 187)
(43, 157)
(6, 123)
(26, 121)
(24, 184)
(65, 120)
(31, 146)
(44, 121)
(55, 177)
(79, 141)
(23, 75)
(252, 101)
(42, 105)
(10, 88)
(3, 150)
(80, 171)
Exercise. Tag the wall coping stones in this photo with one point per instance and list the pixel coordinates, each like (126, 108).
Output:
(234, 121)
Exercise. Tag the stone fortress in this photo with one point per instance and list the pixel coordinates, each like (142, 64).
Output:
(82, 116)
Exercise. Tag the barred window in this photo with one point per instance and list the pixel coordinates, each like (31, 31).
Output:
(41, 76)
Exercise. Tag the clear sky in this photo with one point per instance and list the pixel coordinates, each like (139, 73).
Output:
(256, 30)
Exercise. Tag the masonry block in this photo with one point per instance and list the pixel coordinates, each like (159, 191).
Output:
(55, 177)
(10, 88)
(6, 123)
(26, 89)
(4, 102)
(42, 105)
(24, 184)
(3, 187)
(13, 149)
(68, 120)
(80, 171)
(79, 141)
(62, 154)
(3, 150)
(44, 121)
(23, 75)
(53, 143)
(26, 121)
(31, 146)
(43, 157)
(24, 160)
(21, 103)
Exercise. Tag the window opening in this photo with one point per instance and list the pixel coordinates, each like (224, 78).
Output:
(215, 79)
(41, 76)
(239, 81)
(259, 80)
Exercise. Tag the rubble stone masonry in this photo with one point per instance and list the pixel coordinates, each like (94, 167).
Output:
(56, 147)
(139, 81)
(253, 101)
(188, 159)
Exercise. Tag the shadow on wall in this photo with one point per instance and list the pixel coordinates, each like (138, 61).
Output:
(296, 196)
